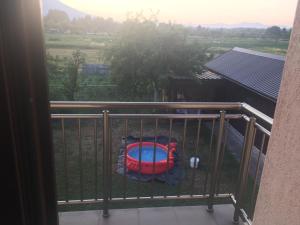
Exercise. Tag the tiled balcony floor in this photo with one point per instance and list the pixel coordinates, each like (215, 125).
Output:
(183, 215)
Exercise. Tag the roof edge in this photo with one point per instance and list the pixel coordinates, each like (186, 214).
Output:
(243, 85)
(262, 54)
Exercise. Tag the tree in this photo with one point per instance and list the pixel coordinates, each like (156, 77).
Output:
(57, 19)
(143, 54)
(53, 68)
(286, 33)
(90, 24)
(72, 72)
(55, 71)
(273, 32)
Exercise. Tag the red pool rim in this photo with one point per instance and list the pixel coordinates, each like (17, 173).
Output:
(158, 167)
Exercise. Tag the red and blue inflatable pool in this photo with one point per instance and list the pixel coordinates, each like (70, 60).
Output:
(150, 163)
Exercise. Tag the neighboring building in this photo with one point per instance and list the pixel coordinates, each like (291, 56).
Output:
(249, 76)
(200, 87)
(238, 75)
(95, 69)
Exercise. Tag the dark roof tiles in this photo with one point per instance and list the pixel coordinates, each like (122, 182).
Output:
(260, 72)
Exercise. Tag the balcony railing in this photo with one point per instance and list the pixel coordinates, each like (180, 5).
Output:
(93, 141)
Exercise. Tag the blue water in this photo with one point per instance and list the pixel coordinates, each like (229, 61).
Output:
(147, 153)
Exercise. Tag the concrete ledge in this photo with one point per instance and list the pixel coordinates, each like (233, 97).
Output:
(183, 215)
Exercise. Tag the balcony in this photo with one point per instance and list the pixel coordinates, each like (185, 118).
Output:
(184, 215)
(95, 184)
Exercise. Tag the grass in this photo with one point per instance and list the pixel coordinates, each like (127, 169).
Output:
(227, 183)
(224, 43)
(63, 44)
(76, 40)
(91, 55)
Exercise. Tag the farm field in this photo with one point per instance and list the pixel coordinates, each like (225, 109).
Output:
(91, 55)
(91, 45)
(63, 45)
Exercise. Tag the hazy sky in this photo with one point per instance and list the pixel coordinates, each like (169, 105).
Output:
(268, 12)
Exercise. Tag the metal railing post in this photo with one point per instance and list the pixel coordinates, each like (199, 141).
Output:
(106, 149)
(214, 167)
(249, 140)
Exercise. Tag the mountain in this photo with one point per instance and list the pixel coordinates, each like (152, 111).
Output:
(56, 4)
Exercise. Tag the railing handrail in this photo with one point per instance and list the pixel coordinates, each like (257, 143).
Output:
(146, 116)
(161, 105)
(145, 105)
(257, 113)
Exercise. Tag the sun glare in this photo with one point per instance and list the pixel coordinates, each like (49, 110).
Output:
(269, 12)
